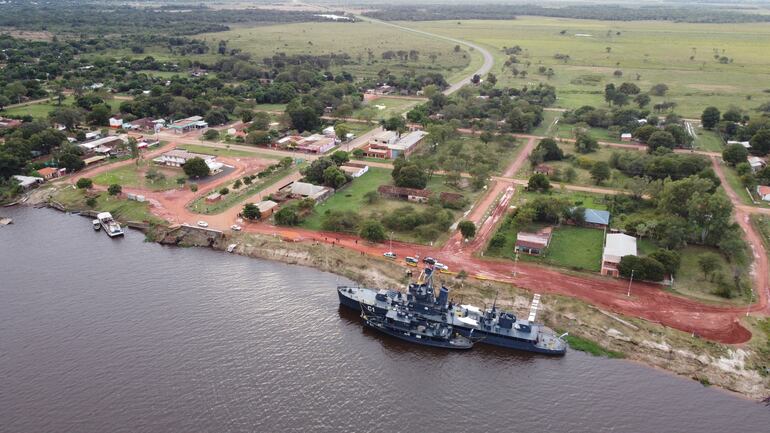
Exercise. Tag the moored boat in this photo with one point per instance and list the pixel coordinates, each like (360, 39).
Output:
(405, 325)
(110, 226)
(97, 225)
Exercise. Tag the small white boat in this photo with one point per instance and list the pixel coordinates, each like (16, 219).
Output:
(231, 248)
(97, 224)
(110, 226)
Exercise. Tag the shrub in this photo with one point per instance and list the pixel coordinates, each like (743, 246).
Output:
(372, 230)
(114, 189)
(224, 191)
(84, 183)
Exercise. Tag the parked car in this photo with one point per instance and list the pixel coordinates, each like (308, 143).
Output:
(203, 224)
(411, 261)
(390, 255)
(235, 228)
(441, 267)
(429, 260)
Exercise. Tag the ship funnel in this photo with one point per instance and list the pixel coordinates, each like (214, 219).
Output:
(443, 296)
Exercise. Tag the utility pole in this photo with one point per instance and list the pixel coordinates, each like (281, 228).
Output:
(629, 283)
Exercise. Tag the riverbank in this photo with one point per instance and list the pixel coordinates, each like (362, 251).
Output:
(741, 369)
(728, 367)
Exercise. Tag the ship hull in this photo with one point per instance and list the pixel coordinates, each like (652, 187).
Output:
(506, 342)
(401, 335)
(349, 301)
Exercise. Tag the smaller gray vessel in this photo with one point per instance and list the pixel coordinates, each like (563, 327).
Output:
(403, 324)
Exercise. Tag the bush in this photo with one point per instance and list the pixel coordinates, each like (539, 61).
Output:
(194, 187)
(211, 134)
(251, 212)
(467, 228)
(238, 183)
(498, 241)
(643, 268)
(91, 202)
(340, 221)
(84, 183)
(114, 189)
(287, 217)
(539, 182)
(372, 230)
(224, 191)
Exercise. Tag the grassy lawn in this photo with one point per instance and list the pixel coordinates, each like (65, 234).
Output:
(358, 128)
(236, 196)
(134, 176)
(588, 200)
(575, 248)
(707, 140)
(583, 175)
(385, 107)
(234, 153)
(269, 107)
(355, 39)
(735, 183)
(39, 110)
(122, 209)
(634, 49)
(691, 282)
(465, 147)
(352, 199)
(163, 74)
(547, 126)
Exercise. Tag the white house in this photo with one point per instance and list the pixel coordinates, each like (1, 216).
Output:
(178, 157)
(745, 144)
(116, 121)
(756, 163)
(764, 192)
(616, 246)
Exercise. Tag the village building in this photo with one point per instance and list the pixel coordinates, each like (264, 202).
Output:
(178, 157)
(143, 124)
(388, 144)
(49, 173)
(9, 123)
(533, 243)
(267, 208)
(308, 190)
(745, 144)
(109, 141)
(408, 194)
(616, 246)
(764, 192)
(626, 136)
(756, 163)
(116, 121)
(94, 159)
(544, 169)
(598, 219)
(93, 135)
(213, 197)
(354, 169)
(329, 132)
(147, 142)
(182, 126)
(28, 182)
(316, 144)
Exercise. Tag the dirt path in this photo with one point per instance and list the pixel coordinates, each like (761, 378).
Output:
(760, 270)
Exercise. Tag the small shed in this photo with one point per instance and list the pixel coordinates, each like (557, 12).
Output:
(213, 198)
(533, 243)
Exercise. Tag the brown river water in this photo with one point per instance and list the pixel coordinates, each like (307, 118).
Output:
(120, 335)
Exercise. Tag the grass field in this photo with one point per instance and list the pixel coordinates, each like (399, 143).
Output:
(236, 196)
(235, 153)
(133, 176)
(708, 140)
(355, 39)
(121, 209)
(385, 107)
(659, 52)
(583, 176)
(351, 198)
(691, 282)
(41, 110)
(466, 147)
(575, 248)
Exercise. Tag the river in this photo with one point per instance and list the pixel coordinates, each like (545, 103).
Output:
(121, 335)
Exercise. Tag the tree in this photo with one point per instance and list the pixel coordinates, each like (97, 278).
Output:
(550, 150)
(659, 90)
(709, 264)
(4, 101)
(247, 116)
(341, 131)
(408, 174)
(710, 117)
(760, 142)
(84, 183)
(67, 116)
(584, 143)
(340, 157)
(99, 115)
(600, 172)
(394, 123)
(251, 212)
(735, 154)
(661, 139)
(216, 116)
(629, 89)
(643, 268)
(315, 172)
(372, 230)
(334, 177)
(71, 161)
(467, 228)
(642, 100)
(114, 189)
(609, 93)
(569, 174)
(196, 167)
(669, 259)
(211, 134)
(303, 117)
(287, 216)
(644, 132)
(538, 182)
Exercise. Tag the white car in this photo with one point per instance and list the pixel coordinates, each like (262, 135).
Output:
(203, 224)
(235, 228)
(390, 255)
(441, 267)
